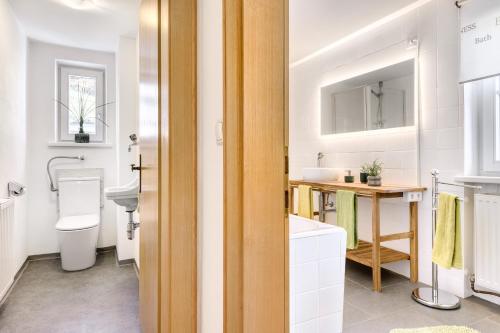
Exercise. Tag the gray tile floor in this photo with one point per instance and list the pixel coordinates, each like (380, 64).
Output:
(366, 311)
(104, 299)
(46, 299)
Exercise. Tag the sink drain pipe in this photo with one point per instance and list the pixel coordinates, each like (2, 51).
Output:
(131, 226)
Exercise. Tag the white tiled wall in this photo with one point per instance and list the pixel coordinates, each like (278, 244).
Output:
(317, 270)
(441, 135)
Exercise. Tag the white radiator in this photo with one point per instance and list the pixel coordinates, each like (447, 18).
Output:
(487, 241)
(6, 245)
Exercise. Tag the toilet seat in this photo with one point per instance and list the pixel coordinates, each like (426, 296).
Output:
(78, 222)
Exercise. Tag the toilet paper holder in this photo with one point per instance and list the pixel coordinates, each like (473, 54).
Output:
(16, 189)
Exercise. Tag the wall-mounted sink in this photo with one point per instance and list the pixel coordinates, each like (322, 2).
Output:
(126, 195)
(319, 174)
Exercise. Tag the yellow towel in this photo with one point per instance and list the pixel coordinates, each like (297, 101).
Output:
(447, 251)
(306, 208)
(346, 216)
(436, 329)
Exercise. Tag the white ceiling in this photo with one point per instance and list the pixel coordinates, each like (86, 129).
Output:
(61, 22)
(315, 24)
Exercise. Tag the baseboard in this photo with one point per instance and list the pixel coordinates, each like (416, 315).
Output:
(17, 276)
(126, 262)
(45, 256)
(106, 249)
(136, 268)
(57, 255)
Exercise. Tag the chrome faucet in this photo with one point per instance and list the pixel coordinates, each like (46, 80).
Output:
(133, 138)
(319, 158)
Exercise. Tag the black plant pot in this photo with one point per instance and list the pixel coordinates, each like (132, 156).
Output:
(82, 138)
(363, 177)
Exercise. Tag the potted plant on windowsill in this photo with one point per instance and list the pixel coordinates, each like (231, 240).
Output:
(374, 173)
(83, 108)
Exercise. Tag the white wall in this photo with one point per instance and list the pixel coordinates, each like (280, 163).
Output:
(126, 123)
(42, 213)
(13, 53)
(210, 198)
(441, 144)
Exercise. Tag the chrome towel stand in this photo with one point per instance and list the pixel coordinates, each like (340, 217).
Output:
(433, 297)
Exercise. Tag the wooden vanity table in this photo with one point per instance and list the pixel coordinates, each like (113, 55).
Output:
(373, 254)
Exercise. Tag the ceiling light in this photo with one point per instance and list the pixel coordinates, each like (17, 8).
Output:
(371, 27)
(79, 4)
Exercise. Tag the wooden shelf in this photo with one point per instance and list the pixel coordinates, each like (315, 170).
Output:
(363, 254)
(385, 190)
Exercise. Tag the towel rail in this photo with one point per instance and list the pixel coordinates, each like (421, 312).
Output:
(474, 187)
(433, 297)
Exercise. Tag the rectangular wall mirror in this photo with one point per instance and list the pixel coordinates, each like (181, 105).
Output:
(376, 100)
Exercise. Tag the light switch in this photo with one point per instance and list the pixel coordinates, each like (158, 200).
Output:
(219, 133)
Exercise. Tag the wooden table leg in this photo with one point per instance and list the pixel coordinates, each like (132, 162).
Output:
(414, 242)
(376, 275)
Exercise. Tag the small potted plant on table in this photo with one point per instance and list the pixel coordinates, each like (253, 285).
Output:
(363, 174)
(374, 170)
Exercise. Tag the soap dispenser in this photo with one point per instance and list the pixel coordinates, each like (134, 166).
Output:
(349, 178)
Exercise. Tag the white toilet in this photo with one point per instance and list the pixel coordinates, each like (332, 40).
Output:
(79, 220)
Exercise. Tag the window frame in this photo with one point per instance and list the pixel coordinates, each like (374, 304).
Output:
(64, 70)
(489, 130)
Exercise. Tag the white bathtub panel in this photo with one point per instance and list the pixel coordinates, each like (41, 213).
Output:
(330, 245)
(331, 300)
(306, 277)
(317, 274)
(291, 252)
(306, 249)
(331, 272)
(311, 326)
(306, 306)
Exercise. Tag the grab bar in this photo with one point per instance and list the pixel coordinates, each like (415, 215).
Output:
(79, 157)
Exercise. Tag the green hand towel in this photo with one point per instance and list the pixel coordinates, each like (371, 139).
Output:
(346, 216)
(447, 251)
(306, 208)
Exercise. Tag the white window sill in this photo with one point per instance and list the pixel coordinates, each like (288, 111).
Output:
(80, 145)
(478, 179)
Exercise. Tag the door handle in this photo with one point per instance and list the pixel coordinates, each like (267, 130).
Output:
(133, 167)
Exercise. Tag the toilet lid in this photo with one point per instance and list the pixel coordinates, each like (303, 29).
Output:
(79, 222)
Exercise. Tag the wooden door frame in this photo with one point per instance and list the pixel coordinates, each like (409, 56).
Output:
(172, 33)
(255, 166)
(178, 205)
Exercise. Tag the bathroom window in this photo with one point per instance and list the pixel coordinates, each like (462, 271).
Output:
(482, 112)
(81, 102)
(490, 129)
